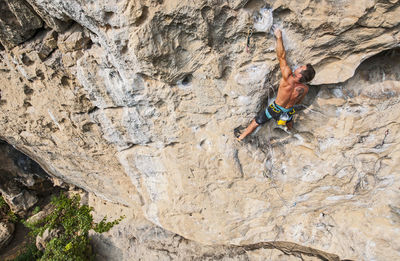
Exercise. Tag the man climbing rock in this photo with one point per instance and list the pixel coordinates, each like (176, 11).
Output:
(291, 91)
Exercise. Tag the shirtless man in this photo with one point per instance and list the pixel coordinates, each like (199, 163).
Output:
(291, 91)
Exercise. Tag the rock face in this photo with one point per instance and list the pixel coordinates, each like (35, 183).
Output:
(41, 241)
(6, 233)
(135, 238)
(136, 102)
(18, 23)
(21, 179)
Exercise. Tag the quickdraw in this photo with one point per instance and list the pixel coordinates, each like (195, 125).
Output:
(384, 138)
(249, 34)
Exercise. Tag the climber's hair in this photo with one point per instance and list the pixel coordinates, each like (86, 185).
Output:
(307, 74)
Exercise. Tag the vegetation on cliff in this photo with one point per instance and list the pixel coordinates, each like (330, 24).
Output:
(69, 224)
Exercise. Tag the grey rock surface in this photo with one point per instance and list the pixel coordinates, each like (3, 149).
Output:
(21, 179)
(42, 240)
(18, 22)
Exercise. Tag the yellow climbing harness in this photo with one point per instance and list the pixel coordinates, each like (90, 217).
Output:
(284, 118)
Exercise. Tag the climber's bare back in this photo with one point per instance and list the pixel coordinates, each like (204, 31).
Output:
(291, 92)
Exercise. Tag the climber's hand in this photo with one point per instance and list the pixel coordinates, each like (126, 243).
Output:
(278, 33)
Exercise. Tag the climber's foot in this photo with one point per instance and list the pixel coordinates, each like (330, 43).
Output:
(237, 132)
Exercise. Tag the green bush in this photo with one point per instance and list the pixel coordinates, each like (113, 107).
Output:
(11, 216)
(2, 202)
(31, 253)
(5, 212)
(36, 210)
(74, 222)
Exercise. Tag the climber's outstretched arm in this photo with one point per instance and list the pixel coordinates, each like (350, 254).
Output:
(280, 52)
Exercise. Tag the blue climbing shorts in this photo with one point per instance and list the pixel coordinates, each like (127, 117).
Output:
(273, 111)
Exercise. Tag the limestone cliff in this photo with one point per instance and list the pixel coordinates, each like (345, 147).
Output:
(136, 101)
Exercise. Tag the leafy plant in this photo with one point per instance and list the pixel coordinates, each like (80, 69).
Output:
(36, 210)
(6, 214)
(2, 202)
(30, 253)
(12, 216)
(74, 222)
